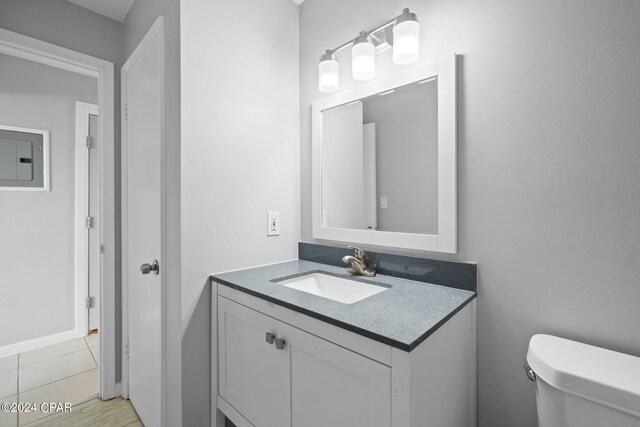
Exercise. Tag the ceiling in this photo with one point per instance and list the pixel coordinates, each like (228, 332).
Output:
(114, 9)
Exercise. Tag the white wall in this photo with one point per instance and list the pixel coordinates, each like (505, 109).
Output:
(548, 176)
(37, 229)
(140, 18)
(240, 157)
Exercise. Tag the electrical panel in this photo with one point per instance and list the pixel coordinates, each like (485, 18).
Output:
(21, 159)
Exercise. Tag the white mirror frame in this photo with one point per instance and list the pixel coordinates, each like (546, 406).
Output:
(446, 239)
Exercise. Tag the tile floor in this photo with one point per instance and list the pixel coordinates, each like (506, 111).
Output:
(113, 413)
(66, 372)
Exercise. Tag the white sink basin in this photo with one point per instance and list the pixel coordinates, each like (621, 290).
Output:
(332, 287)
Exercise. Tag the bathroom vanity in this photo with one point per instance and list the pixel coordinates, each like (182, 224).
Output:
(402, 354)
(305, 344)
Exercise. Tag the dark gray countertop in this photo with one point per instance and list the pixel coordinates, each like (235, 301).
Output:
(402, 316)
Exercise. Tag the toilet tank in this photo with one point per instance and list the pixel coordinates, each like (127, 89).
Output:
(579, 385)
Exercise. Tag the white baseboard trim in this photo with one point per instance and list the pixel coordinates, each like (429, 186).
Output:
(21, 347)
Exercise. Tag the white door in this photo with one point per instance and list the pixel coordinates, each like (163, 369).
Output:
(94, 231)
(370, 174)
(342, 155)
(143, 133)
(88, 255)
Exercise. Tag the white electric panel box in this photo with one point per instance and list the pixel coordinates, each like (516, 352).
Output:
(23, 159)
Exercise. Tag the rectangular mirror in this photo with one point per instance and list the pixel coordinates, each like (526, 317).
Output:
(384, 161)
(380, 161)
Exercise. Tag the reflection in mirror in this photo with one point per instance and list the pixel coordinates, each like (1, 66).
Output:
(380, 162)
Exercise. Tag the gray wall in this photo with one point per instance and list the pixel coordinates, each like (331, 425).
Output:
(68, 25)
(65, 24)
(140, 18)
(37, 247)
(407, 157)
(548, 176)
(240, 158)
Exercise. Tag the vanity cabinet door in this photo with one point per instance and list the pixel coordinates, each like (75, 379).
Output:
(332, 386)
(253, 374)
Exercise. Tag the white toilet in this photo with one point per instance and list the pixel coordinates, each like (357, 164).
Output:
(579, 385)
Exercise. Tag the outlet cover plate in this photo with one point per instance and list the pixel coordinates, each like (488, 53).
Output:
(273, 223)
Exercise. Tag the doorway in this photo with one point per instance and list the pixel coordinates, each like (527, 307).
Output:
(39, 52)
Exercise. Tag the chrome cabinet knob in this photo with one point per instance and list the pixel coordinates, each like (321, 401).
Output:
(279, 343)
(148, 268)
(269, 338)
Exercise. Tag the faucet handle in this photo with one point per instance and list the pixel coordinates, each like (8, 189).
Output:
(359, 253)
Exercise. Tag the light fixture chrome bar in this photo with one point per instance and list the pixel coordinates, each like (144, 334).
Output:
(401, 33)
(367, 33)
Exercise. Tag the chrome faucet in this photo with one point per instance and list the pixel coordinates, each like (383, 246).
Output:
(358, 264)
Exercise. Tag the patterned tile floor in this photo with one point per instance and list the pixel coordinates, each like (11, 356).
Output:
(66, 372)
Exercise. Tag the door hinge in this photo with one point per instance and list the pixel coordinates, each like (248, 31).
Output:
(126, 349)
(90, 142)
(91, 302)
(125, 111)
(91, 222)
(101, 248)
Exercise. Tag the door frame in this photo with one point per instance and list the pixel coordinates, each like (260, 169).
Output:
(155, 32)
(28, 48)
(83, 110)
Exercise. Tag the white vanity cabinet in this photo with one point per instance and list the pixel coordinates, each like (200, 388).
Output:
(307, 382)
(321, 375)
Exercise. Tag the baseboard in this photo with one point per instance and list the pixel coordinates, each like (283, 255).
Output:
(21, 347)
(119, 391)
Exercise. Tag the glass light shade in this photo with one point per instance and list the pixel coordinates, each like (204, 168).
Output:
(406, 39)
(328, 75)
(363, 58)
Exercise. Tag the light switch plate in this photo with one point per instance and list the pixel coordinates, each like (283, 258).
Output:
(383, 202)
(273, 223)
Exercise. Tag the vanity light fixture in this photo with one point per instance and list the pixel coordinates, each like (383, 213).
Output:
(406, 38)
(329, 72)
(402, 33)
(363, 57)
